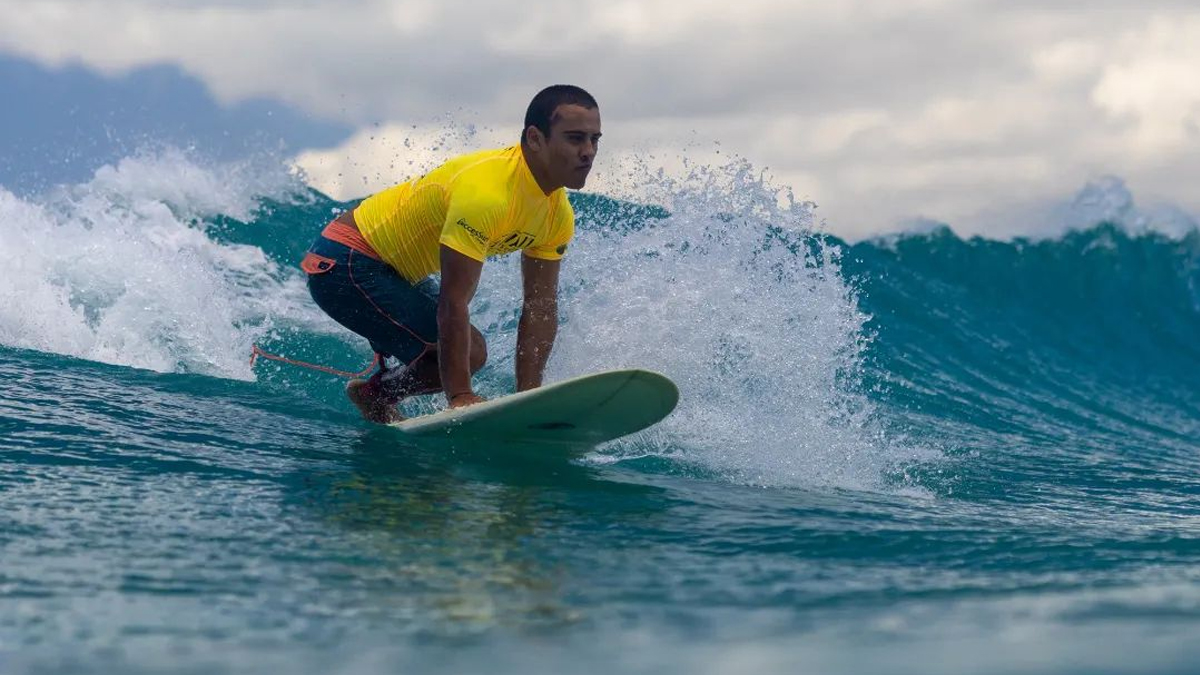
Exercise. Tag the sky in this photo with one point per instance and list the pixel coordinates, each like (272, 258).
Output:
(58, 124)
(883, 112)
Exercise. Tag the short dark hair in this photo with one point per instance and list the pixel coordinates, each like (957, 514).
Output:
(541, 109)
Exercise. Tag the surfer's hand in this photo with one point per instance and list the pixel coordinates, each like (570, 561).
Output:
(465, 399)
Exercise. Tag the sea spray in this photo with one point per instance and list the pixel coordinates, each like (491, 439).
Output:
(122, 270)
(729, 293)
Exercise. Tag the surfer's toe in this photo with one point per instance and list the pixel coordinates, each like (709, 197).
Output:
(372, 408)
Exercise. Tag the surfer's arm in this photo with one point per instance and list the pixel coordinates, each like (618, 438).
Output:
(460, 277)
(539, 320)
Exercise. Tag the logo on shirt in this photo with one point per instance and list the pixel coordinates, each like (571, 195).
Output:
(514, 241)
(474, 232)
(517, 240)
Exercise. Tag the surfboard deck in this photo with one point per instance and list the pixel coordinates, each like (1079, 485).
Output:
(581, 411)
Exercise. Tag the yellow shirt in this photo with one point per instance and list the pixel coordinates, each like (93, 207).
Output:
(482, 204)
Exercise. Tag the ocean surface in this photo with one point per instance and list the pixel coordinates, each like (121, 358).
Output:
(913, 454)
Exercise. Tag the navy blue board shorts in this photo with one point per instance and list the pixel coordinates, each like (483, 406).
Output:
(360, 291)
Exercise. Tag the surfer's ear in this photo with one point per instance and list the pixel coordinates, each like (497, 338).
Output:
(534, 138)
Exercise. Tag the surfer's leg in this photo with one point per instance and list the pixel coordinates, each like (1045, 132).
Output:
(398, 381)
(367, 296)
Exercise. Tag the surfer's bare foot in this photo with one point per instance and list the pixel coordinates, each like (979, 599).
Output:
(373, 408)
(465, 399)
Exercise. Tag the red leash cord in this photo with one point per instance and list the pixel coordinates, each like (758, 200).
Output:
(256, 352)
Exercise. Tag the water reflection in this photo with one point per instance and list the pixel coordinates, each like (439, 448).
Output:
(460, 540)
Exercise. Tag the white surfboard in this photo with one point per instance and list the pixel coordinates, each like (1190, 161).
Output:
(582, 411)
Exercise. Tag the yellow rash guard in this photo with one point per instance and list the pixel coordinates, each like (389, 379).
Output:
(482, 204)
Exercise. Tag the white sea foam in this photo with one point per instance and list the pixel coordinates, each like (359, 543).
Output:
(121, 270)
(765, 340)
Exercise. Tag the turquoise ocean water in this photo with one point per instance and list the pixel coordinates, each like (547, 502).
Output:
(918, 454)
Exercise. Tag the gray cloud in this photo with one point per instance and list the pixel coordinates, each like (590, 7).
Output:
(880, 110)
(59, 124)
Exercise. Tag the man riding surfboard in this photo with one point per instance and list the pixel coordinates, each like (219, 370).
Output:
(372, 268)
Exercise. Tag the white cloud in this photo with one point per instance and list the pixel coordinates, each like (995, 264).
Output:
(879, 110)
(1154, 81)
(1063, 62)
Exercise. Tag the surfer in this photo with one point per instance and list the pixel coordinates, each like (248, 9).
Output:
(372, 269)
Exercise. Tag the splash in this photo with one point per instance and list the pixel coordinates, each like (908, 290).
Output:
(732, 295)
(121, 269)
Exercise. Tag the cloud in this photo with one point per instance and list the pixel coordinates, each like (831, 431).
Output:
(879, 110)
(1152, 82)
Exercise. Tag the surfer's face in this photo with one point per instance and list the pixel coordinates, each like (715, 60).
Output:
(566, 155)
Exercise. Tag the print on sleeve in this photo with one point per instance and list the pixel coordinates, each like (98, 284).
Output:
(481, 237)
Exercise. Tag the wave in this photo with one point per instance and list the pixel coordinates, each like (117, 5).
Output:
(802, 359)
(1074, 359)
(123, 269)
